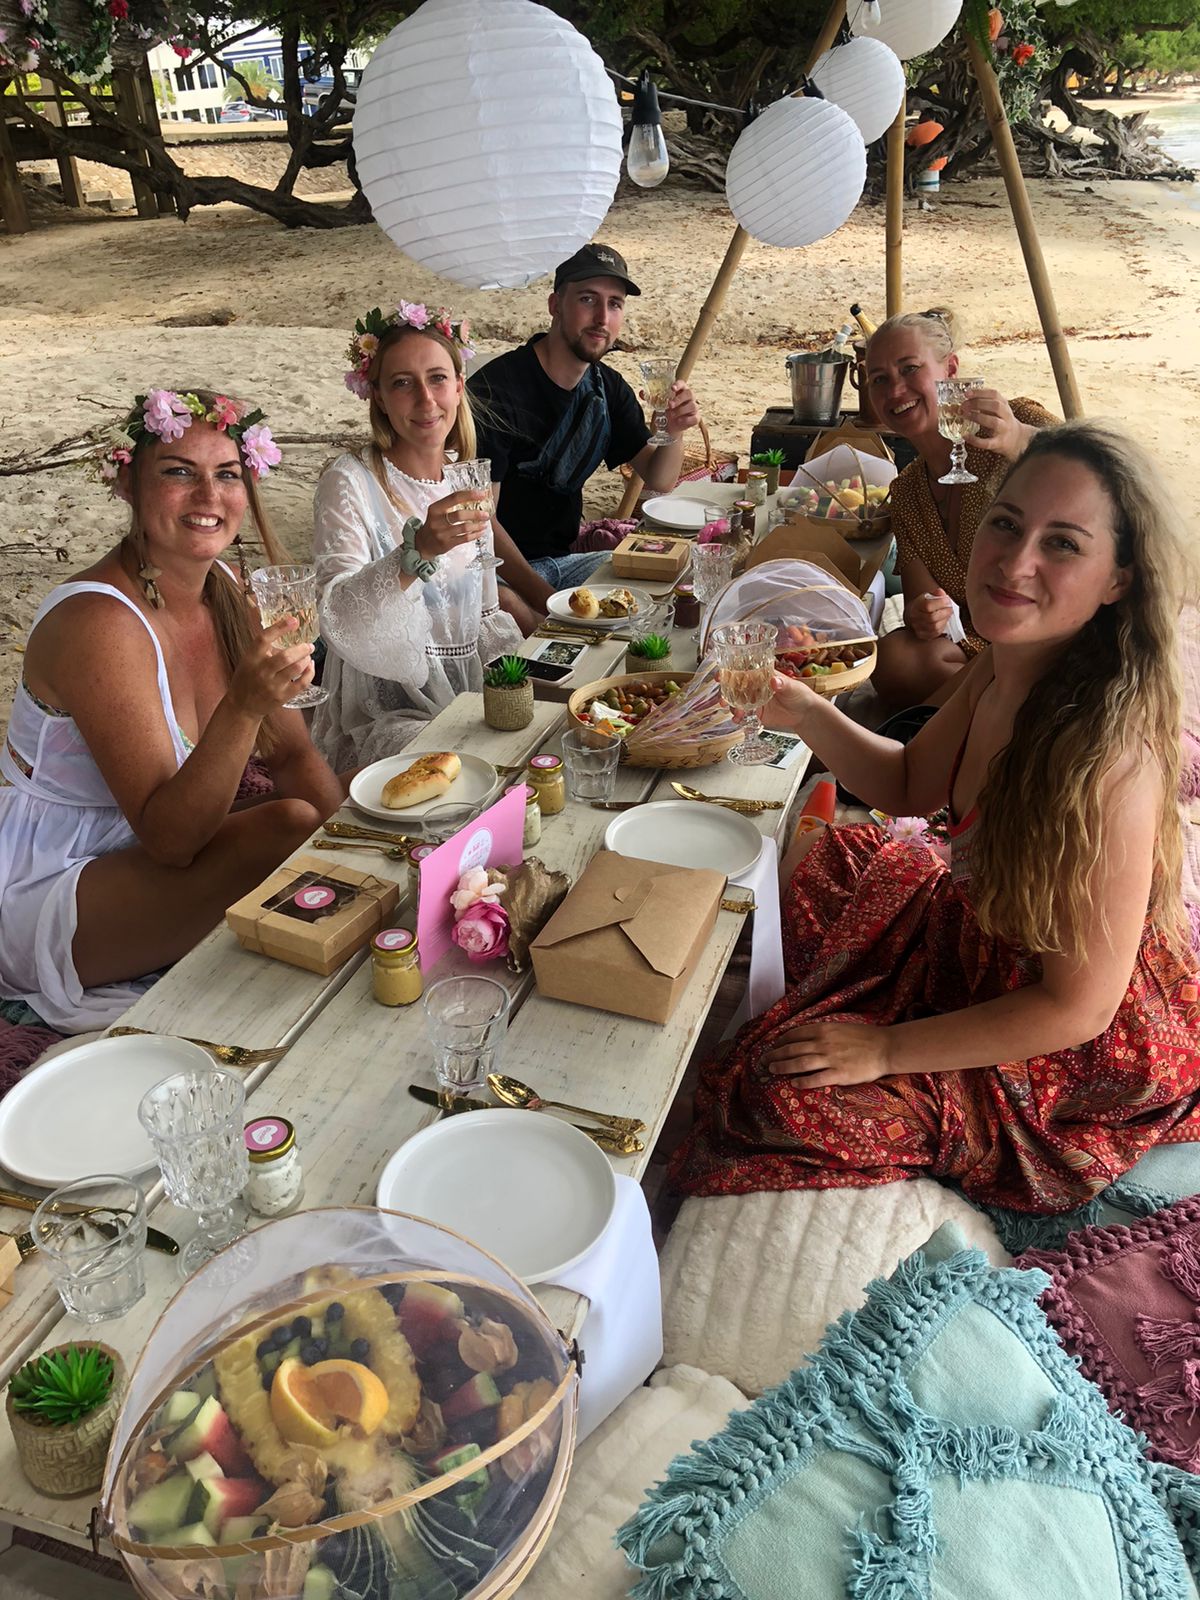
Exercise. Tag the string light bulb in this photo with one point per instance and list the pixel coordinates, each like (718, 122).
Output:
(871, 12)
(646, 159)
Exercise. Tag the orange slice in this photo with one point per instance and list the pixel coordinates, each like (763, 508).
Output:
(309, 1403)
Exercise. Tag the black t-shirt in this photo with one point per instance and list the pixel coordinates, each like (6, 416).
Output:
(517, 408)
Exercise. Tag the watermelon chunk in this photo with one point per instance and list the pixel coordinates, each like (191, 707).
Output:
(477, 1395)
(196, 1533)
(222, 1498)
(457, 1456)
(163, 1508)
(211, 1430)
(204, 1466)
(428, 1315)
(180, 1408)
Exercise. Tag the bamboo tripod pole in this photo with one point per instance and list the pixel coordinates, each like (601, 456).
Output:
(1018, 200)
(894, 247)
(727, 271)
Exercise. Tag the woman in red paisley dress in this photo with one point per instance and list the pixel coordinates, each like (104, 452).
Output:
(1025, 1022)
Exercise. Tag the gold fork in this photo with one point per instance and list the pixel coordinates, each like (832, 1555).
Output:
(394, 852)
(351, 830)
(231, 1055)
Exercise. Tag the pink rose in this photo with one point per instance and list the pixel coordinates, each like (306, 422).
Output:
(713, 532)
(413, 314)
(473, 886)
(482, 931)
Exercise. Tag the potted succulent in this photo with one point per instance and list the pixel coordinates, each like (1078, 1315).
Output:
(62, 1407)
(771, 462)
(652, 650)
(508, 694)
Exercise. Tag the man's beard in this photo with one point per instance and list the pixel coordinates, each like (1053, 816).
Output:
(584, 352)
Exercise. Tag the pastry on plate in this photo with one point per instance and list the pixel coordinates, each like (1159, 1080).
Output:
(618, 603)
(584, 603)
(424, 779)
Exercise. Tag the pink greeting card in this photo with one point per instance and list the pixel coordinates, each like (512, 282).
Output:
(493, 839)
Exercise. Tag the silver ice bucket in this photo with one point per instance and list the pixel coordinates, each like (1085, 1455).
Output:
(817, 378)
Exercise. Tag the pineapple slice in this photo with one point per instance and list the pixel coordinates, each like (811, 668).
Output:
(370, 1317)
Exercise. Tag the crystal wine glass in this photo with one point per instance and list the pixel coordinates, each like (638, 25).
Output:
(195, 1120)
(474, 475)
(712, 568)
(291, 592)
(953, 425)
(745, 662)
(658, 376)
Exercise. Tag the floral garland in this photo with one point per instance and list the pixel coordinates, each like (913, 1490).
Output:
(168, 415)
(90, 61)
(368, 331)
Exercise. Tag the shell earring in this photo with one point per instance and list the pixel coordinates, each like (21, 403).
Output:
(148, 576)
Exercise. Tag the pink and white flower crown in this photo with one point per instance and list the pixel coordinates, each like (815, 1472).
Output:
(369, 329)
(168, 416)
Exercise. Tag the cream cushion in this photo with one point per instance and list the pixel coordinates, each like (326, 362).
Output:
(750, 1282)
(613, 1468)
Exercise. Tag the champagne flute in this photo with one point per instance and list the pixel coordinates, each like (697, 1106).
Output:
(658, 376)
(474, 475)
(953, 425)
(745, 662)
(291, 592)
(712, 568)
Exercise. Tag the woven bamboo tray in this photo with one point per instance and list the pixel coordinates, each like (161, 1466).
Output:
(672, 758)
(831, 683)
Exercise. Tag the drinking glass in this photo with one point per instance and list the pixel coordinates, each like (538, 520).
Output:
(712, 568)
(291, 592)
(475, 475)
(92, 1236)
(953, 425)
(195, 1120)
(591, 758)
(467, 1019)
(657, 378)
(745, 661)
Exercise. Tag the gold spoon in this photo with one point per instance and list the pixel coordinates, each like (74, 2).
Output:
(749, 808)
(515, 1093)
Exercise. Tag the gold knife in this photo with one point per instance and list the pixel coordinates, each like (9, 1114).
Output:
(155, 1238)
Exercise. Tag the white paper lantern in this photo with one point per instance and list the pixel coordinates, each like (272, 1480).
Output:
(796, 173)
(907, 27)
(866, 79)
(488, 140)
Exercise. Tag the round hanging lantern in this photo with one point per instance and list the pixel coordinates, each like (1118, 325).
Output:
(487, 137)
(865, 78)
(796, 173)
(907, 27)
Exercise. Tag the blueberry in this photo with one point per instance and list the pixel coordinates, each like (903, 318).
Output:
(266, 1380)
(280, 1337)
(264, 1349)
(302, 1328)
(360, 1349)
(310, 1354)
(335, 1312)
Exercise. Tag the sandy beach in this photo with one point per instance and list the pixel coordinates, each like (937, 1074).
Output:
(93, 311)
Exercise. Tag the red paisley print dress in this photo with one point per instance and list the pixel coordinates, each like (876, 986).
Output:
(880, 932)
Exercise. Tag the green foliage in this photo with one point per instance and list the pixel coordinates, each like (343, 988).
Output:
(654, 647)
(64, 1385)
(258, 80)
(767, 458)
(510, 672)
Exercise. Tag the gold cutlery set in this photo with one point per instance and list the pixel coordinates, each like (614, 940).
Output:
(744, 808)
(614, 1134)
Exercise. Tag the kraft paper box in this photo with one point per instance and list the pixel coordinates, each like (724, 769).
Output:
(813, 539)
(312, 914)
(628, 936)
(651, 555)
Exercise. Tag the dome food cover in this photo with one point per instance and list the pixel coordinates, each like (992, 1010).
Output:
(346, 1404)
(809, 607)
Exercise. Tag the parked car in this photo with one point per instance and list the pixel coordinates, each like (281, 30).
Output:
(242, 111)
(314, 95)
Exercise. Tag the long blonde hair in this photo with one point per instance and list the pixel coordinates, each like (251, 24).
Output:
(1114, 690)
(461, 436)
(234, 620)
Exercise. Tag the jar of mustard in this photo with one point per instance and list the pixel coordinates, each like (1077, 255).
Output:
(546, 776)
(533, 815)
(395, 972)
(416, 855)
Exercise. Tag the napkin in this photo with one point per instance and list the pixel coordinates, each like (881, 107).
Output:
(954, 630)
(622, 1338)
(766, 984)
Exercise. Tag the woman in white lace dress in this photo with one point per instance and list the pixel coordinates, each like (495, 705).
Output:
(408, 618)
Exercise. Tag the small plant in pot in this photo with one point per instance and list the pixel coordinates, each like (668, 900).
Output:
(771, 462)
(62, 1407)
(508, 694)
(652, 650)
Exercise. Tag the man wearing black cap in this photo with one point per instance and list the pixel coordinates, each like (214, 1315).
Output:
(550, 411)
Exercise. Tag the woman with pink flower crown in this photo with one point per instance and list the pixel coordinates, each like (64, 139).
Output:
(410, 618)
(149, 695)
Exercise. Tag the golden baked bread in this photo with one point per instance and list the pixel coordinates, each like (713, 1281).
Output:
(618, 603)
(584, 603)
(427, 777)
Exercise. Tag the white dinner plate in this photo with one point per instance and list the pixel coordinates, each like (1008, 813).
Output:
(559, 605)
(473, 785)
(676, 511)
(530, 1189)
(78, 1112)
(686, 833)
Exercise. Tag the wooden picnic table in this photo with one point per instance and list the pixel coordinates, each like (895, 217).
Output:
(344, 1077)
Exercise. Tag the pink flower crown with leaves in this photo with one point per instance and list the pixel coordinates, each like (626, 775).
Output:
(368, 331)
(168, 416)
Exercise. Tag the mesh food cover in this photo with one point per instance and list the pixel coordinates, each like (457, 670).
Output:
(807, 604)
(346, 1404)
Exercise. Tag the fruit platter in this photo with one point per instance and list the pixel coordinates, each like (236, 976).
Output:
(403, 1435)
(828, 666)
(673, 720)
(844, 500)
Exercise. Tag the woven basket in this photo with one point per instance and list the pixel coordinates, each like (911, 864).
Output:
(672, 758)
(509, 708)
(696, 460)
(69, 1459)
(834, 683)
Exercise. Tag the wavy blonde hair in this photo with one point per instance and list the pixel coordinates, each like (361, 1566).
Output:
(938, 326)
(461, 436)
(1113, 691)
(234, 620)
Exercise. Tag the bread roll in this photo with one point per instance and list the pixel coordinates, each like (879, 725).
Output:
(584, 603)
(424, 779)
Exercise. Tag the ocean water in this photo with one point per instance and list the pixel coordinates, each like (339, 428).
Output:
(1180, 130)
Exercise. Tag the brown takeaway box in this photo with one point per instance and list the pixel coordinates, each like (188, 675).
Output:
(628, 936)
(270, 921)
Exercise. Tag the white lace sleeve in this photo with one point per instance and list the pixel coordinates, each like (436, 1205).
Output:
(372, 623)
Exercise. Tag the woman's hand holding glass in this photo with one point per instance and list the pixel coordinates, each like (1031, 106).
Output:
(268, 676)
(791, 701)
(461, 515)
(999, 429)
